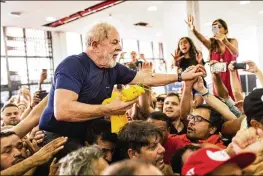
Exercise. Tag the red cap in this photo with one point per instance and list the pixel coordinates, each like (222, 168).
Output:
(205, 160)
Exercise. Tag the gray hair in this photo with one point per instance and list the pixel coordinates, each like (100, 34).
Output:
(79, 162)
(98, 33)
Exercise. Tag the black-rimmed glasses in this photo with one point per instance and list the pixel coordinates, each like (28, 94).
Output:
(197, 118)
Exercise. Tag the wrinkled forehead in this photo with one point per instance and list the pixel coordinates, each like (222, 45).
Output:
(113, 34)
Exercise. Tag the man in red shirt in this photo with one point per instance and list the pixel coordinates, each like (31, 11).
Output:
(204, 125)
(170, 142)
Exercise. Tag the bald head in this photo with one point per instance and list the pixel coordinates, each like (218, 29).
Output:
(132, 167)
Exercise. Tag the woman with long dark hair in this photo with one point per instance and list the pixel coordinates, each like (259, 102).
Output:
(187, 55)
(222, 49)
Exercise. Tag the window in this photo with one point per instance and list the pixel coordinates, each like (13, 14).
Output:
(35, 66)
(28, 52)
(146, 49)
(18, 70)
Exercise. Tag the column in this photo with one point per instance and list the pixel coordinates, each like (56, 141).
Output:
(175, 27)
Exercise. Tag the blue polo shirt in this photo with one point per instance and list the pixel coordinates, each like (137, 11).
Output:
(79, 74)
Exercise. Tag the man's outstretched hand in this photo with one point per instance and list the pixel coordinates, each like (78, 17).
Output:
(196, 71)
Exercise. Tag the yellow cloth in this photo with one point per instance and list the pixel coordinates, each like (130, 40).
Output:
(127, 94)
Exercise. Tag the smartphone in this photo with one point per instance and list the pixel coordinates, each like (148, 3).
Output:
(218, 67)
(42, 94)
(240, 66)
(215, 29)
(44, 70)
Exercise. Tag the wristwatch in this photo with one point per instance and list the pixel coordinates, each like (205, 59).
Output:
(180, 77)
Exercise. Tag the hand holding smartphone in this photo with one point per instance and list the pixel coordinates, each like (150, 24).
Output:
(240, 66)
(215, 29)
(218, 67)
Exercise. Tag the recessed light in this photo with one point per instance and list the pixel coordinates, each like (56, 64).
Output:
(244, 2)
(50, 19)
(152, 8)
(158, 34)
(15, 14)
(260, 12)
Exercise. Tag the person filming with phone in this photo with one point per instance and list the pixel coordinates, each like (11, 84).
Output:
(222, 49)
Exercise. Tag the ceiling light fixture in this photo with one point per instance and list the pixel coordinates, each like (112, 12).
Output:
(152, 8)
(15, 14)
(260, 12)
(244, 2)
(50, 19)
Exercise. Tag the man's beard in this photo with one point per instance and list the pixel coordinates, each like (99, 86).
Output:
(111, 61)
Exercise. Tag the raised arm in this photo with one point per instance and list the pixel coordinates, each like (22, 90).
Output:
(187, 99)
(37, 159)
(235, 84)
(254, 69)
(212, 101)
(151, 79)
(31, 120)
(190, 22)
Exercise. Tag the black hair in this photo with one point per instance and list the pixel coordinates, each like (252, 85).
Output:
(135, 135)
(8, 105)
(6, 134)
(257, 118)
(173, 94)
(216, 118)
(214, 43)
(158, 115)
(176, 161)
(192, 49)
(101, 128)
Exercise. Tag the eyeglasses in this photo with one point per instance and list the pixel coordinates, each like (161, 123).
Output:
(197, 119)
(160, 99)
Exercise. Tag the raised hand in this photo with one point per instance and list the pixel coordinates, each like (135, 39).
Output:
(199, 85)
(146, 67)
(220, 37)
(190, 22)
(199, 57)
(177, 57)
(231, 66)
(49, 150)
(252, 67)
(43, 77)
(197, 71)
(248, 140)
(36, 99)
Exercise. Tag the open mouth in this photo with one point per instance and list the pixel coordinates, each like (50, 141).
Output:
(189, 129)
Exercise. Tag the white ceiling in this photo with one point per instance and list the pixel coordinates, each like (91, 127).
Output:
(126, 14)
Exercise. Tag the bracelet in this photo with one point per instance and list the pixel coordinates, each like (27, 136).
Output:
(179, 77)
(205, 94)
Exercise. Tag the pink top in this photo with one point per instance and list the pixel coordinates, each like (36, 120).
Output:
(227, 57)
